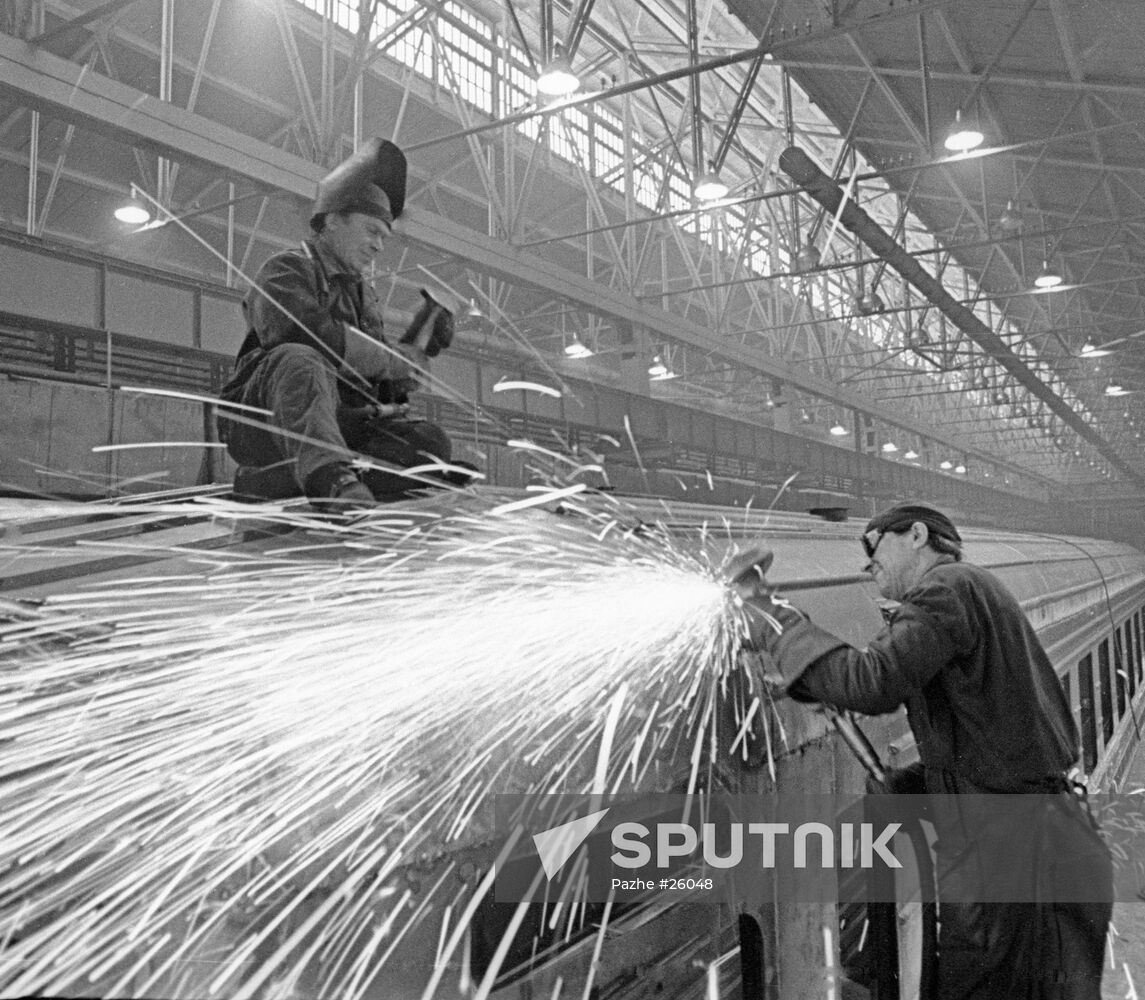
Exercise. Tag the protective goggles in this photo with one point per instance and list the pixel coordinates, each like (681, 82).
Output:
(870, 547)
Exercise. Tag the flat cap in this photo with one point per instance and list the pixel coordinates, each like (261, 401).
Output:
(903, 515)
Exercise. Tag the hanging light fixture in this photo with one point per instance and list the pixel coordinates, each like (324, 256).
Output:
(1115, 389)
(808, 257)
(911, 455)
(557, 78)
(890, 447)
(946, 464)
(1010, 221)
(657, 369)
(577, 349)
(133, 212)
(962, 137)
(960, 469)
(709, 186)
(869, 304)
(1090, 350)
(1048, 277)
(838, 430)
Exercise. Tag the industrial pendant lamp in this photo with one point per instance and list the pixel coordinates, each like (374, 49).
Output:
(1048, 277)
(962, 137)
(557, 78)
(133, 212)
(1010, 221)
(709, 186)
(869, 303)
(660, 371)
(808, 257)
(577, 349)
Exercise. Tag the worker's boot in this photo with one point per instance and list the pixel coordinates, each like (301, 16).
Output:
(337, 489)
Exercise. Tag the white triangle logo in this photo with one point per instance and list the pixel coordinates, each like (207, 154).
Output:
(555, 846)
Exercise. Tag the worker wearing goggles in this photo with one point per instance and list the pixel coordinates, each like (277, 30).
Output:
(989, 715)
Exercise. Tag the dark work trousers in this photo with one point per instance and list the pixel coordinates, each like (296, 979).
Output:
(1025, 895)
(395, 441)
(306, 434)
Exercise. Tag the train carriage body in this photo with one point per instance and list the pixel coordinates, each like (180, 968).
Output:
(1085, 597)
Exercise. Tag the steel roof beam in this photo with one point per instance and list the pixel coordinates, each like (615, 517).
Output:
(62, 89)
(96, 14)
(771, 45)
(1028, 80)
(797, 165)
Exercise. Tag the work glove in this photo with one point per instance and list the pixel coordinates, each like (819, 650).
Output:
(394, 392)
(359, 423)
(765, 614)
(767, 618)
(909, 780)
(432, 328)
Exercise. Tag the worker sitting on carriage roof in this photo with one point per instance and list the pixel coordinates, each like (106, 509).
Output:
(315, 355)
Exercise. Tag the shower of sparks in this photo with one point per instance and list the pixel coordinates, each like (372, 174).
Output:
(157, 444)
(545, 390)
(257, 779)
(196, 398)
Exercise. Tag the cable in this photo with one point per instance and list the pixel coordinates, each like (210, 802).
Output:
(1118, 651)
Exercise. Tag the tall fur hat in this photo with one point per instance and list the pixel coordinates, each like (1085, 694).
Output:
(372, 181)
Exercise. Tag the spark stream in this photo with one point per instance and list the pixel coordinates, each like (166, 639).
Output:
(210, 786)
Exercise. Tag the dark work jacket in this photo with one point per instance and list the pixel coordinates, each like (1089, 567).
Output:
(305, 296)
(982, 698)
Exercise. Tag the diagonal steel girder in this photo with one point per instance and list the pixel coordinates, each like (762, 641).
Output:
(801, 169)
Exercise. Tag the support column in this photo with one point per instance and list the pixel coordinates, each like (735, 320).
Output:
(163, 176)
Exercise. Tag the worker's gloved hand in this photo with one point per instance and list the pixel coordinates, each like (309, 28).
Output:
(910, 780)
(393, 392)
(747, 572)
(358, 423)
(767, 617)
(432, 328)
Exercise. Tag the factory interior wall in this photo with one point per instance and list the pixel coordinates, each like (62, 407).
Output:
(84, 305)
